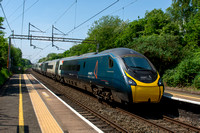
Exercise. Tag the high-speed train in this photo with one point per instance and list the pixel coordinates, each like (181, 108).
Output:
(120, 74)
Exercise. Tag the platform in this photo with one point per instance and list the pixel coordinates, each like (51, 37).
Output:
(26, 105)
(183, 96)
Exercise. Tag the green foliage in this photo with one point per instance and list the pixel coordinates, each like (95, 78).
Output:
(26, 63)
(4, 74)
(3, 52)
(1, 20)
(155, 21)
(3, 47)
(181, 11)
(132, 31)
(80, 49)
(105, 31)
(192, 36)
(16, 56)
(196, 82)
(185, 73)
(51, 56)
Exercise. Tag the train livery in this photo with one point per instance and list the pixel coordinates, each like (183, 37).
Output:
(120, 74)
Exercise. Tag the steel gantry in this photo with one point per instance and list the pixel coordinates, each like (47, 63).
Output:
(45, 38)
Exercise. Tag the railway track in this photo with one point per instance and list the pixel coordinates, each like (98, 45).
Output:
(187, 126)
(166, 124)
(100, 121)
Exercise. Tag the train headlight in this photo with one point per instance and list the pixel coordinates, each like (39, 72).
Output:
(160, 82)
(131, 82)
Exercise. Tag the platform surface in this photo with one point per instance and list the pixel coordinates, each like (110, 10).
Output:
(183, 96)
(26, 105)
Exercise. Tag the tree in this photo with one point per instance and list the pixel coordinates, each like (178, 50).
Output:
(182, 10)
(3, 48)
(192, 36)
(130, 32)
(16, 56)
(105, 31)
(26, 63)
(155, 21)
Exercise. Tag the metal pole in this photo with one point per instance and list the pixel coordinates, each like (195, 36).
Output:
(29, 30)
(52, 36)
(8, 61)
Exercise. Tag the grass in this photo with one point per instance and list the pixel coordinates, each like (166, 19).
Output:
(4, 75)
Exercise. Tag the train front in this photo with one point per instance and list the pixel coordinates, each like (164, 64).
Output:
(142, 78)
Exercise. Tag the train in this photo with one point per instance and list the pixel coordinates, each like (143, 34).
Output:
(120, 74)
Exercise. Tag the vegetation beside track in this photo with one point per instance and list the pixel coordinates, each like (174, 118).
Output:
(18, 64)
(4, 75)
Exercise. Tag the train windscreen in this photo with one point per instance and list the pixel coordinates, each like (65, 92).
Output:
(137, 62)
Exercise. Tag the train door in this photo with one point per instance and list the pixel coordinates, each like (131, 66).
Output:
(56, 69)
(110, 70)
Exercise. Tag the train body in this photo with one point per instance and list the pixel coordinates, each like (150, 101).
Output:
(122, 75)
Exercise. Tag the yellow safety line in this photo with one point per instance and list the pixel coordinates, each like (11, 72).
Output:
(181, 95)
(21, 116)
(46, 121)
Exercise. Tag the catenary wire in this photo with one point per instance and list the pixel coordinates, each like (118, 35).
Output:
(22, 20)
(62, 14)
(65, 12)
(25, 11)
(5, 17)
(7, 21)
(75, 14)
(122, 8)
(16, 10)
(92, 17)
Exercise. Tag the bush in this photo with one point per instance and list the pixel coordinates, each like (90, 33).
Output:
(4, 74)
(196, 82)
(185, 74)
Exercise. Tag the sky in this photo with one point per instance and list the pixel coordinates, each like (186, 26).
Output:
(65, 15)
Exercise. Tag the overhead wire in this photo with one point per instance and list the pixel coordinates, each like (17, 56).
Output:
(62, 14)
(5, 17)
(25, 11)
(75, 14)
(65, 12)
(35, 55)
(8, 1)
(122, 8)
(93, 16)
(22, 20)
(38, 30)
(16, 10)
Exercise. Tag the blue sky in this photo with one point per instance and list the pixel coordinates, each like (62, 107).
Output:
(65, 15)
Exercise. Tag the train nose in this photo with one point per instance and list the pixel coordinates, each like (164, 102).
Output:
(146, 94)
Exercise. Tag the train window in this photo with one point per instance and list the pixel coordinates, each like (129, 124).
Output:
(78, 68)
(84, 65)
(70, 67)
(110, 63)
(61, 67)
(50, 67)
(137, 62)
